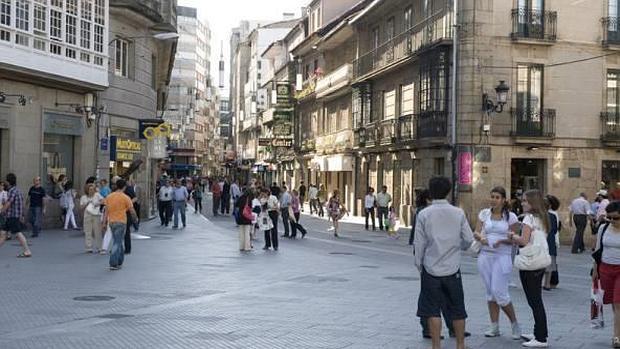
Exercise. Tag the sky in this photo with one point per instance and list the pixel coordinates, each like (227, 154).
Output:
(223, 15)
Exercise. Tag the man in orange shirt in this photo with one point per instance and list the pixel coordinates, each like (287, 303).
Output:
(117, 205)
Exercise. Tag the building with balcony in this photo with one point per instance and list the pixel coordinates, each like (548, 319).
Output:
(190, 95)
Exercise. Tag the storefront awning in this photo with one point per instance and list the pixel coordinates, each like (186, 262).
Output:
(333, 163)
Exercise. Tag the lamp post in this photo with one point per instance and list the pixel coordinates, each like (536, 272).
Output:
(501, 91)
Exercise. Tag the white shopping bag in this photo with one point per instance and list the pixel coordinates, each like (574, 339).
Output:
(596, 306)
(107, 239)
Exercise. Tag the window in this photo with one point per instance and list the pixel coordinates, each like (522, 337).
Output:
(69, 52)
(87, 10)
(434, 84)
(98, 38)
(529, 88)
(100, 12)
(72, 7)
(5, 12)
(406, 99)
(57, 3)
(408, 18)
(40, 45)
(375, 38)
(21, 39)
(56, 49)
(71, 30)
(389, 29)
(613, 102)
(438, 166)
(258, 64)
(5, 35)
(22, 10)
(85, 34)
(122, 58)
(56, 25)
(84, 57)
(40, 15)
(389, 104)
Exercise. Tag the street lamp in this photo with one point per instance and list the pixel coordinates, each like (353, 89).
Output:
(501, 91)
(163, 36)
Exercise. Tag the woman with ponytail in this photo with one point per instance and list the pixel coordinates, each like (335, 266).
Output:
(495, 262)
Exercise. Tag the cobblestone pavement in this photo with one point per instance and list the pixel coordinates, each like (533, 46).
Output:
(192, 288)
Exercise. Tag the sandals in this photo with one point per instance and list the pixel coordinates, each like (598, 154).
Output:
(24, 255)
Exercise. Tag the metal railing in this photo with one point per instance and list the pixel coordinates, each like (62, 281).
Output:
(406, 128)
(533, 123)
(432, 124)
(386, 131)
(610, 126)
(611, 31)
(432, 30)
(534, 24)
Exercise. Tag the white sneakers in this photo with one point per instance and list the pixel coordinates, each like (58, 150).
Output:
(516, 331)
(532, 342)
(493, 331)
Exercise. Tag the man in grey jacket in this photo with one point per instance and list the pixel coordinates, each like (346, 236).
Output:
(441, 232)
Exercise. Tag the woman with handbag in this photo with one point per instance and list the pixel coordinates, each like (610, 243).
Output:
(606, 268)
(532, 260)
(90, 203)
(244, 220)
(494, 259)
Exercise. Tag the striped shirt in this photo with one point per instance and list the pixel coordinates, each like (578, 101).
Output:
(16, 200)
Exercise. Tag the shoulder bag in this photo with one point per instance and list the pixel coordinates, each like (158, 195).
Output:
(535, 255)
(598, 254)
(247, 213)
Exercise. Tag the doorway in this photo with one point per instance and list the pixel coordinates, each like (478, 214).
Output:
(527, 174)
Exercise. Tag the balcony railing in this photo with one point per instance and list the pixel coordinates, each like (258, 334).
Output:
(611, 31)
(433, 30)
(432, 124)
(533, 123)
(334, 80)
(534, 24)
(610, 126)
(308, 145)
(335, 142)
(406, 128)
(386, 131)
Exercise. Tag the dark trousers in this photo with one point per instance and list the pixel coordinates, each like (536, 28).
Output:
(531, 282)
(225, 204)
(581, 222)
(321, 213)
(198, 205)
(216, 204)
(296, 225)
(285, 221)
(383, 214)
(128, 234)
(271, 239)
(313, 207)
(136, 223)
(274, 219)
(370, 212)
(165, 212)
(302, 199)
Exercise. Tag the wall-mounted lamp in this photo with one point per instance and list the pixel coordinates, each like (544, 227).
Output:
(88, 108)
(21, 99)
(502, 97)
(532, 148)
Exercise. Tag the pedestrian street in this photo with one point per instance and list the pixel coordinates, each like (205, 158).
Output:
(192, 288)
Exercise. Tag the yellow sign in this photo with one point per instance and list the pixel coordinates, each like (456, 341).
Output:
(128, 145)
(162, 130)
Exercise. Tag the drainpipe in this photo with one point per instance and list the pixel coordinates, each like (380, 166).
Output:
(453, 104)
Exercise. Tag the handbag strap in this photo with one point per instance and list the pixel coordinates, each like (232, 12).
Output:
(601, 238)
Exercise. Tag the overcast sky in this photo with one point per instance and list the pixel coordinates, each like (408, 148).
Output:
(223, 15)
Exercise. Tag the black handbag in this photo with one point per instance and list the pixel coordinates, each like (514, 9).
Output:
(598, 254)
(555, 278)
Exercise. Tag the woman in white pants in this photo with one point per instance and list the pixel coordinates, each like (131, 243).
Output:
(69, 204)
(90, 204)
(494, 260)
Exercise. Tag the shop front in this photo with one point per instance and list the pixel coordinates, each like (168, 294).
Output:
(123, 153)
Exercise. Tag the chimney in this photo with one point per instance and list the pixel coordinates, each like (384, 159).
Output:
(288, 16)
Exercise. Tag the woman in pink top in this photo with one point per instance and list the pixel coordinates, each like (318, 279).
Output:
(295, 207)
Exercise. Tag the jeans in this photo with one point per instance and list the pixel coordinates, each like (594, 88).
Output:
(179, 207)
(117, 255)
(320, 208)
(198, 205)
(313, 206)
(581, 222)
(383, 214)
(531, 281)
(285, 220)
(274, 231)
(36, 217)
(370, 211)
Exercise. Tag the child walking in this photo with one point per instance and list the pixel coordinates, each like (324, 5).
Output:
(392, 224)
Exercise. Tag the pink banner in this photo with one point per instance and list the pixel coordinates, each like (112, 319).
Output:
(465, 166)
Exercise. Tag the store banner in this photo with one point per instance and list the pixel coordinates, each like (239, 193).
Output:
(124, 149)
(157, 147)
(465, 168)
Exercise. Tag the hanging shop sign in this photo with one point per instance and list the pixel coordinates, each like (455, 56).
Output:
(63, 124)
(163, 129)
(283, 93)
(282, 142)
(124, 149)
(465, 168)
(282, 129)
(264, 142)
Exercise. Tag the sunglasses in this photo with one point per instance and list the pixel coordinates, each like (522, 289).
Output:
(614, 218)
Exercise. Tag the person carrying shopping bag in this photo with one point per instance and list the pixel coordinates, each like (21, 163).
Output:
(90, 204)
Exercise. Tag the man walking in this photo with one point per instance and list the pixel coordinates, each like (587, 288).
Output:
(285, 202)
(272, 209)
(225, 209)
(216, 191)
(36, 203)
(302, 195)
(131, 219)
(383, 203)
(13, 210)
(440, 231)
(179, 203)
(579, 210)
(118, 204)
(165, 203)
(313, 192)
(275, 190)
(370, 201)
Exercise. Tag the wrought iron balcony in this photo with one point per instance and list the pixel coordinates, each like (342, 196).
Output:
(432, 124)
(334, 142)
(611, 31)
(534, 24)
(610, 126)
(431, 31)
(406, 128)
(533, 123)
(334, 80)
(386, 131)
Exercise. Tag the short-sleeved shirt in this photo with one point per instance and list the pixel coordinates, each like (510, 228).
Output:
(105, 191)
(272, 203)
(180, 194)
(117, 205)
(580, 206)
(369, 201)
(611, 244)
(383, 199)
(496, 230)
(16, 199)
(36, 195)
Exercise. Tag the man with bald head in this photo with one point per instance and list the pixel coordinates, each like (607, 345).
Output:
(36, 203)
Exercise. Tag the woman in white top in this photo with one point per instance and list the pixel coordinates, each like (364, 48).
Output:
(535, 221)
(4, 197)
(68, 202)
(494, 260)
(90, 203)
(609, 270)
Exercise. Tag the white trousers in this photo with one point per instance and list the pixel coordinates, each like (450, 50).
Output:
(495, 270)
(70, 219)
(244, 237)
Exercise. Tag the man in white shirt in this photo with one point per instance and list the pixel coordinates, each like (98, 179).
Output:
(235, 192)
(579, 210)
(165, 203)
(313, 193)
(273, 206)
(370, 201)
(383, 205)
(285, 202)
